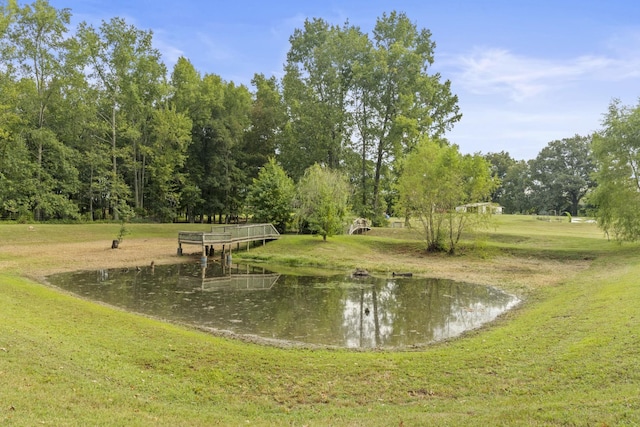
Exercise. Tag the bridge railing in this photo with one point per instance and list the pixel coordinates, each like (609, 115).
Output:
(227, 234)
(248, 231)
(203, 238)
(359, 225)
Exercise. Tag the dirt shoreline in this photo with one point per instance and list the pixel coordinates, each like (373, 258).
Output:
(48, 259)
(515, 275)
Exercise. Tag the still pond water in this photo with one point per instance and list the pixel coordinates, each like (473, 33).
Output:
(342, 311)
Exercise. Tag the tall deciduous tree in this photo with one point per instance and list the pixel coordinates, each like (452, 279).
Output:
(185, 83)
(129, 78)
(39, 50)
(359, 103)
(17, 171)
(268, 125)
(237, 121)
(500, 164)
(210, 148)
(220, 115)
(436, 179)
(170, 135)
(405, 101)
(561, 174)
(81, 127)
(323, 200)
(617, 153)
(14, 157)
(317, 87)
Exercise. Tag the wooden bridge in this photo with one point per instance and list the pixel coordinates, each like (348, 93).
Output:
(359, 226)
(224, 236)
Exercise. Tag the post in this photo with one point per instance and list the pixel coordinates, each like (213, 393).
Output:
(203, 258)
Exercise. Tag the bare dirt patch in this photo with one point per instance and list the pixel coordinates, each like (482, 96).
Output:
(38, 261)
(509, 272)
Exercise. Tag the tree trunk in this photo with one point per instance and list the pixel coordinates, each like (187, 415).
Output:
(381, 143)
(136, 174)
(364, 163)
(114, 157)
(376, 320)
(91, 195)
(376, 178)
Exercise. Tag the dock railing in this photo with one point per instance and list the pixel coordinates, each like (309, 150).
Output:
(247, 232)
(226, 235)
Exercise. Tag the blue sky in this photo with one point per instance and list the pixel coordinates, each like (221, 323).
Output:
(526, 72)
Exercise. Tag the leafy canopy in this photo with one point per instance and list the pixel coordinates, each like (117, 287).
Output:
(437, 179)
(562, 174)
(323, 200)
(271, 196)
(617, 153)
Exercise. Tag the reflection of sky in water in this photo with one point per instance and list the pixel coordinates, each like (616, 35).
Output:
(338, 311)
(374, 318)
(471, 317)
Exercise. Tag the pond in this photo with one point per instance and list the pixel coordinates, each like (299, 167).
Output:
(253, 303)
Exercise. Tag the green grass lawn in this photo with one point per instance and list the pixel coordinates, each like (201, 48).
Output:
(567, 356)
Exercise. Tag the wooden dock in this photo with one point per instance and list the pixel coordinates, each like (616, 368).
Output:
(225, 236)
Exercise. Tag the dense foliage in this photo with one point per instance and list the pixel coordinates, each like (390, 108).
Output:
(322, 201)
(617, 152)
(555, 182)
(436, 182)
(271, 196)
(94, 126)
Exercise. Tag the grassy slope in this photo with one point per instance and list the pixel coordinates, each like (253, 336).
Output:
(569, 356)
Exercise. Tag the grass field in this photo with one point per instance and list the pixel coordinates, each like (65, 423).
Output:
(568, 355)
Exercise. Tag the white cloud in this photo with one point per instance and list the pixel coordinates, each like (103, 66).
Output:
(519, 103)
(496, 71)
(170, 53)
(521, 78)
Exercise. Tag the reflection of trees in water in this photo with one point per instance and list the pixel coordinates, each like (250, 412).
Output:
(305, 311)
(368, 312)
(366, 322)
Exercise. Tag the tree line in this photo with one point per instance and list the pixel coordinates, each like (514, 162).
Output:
(555, 182)
(93, 126)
